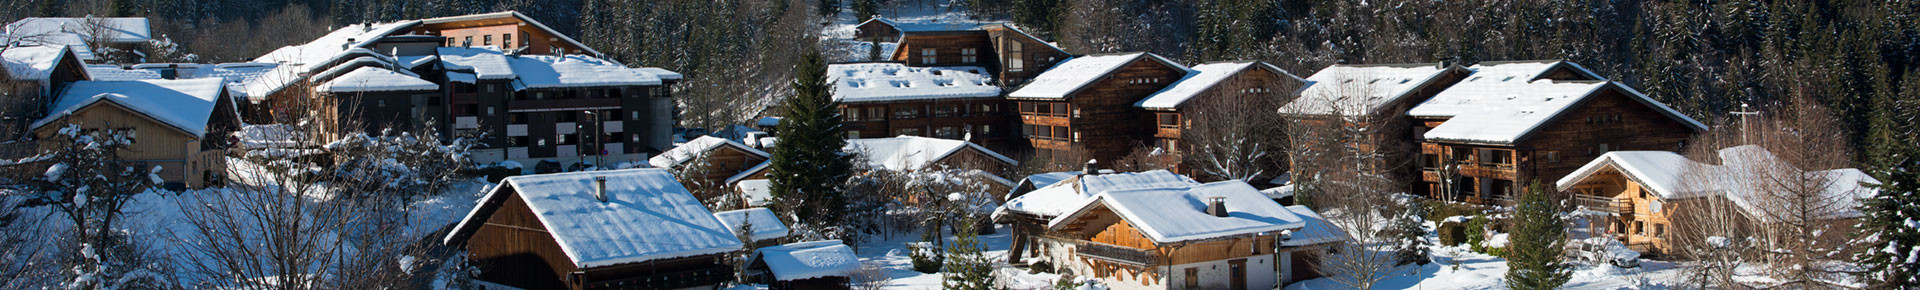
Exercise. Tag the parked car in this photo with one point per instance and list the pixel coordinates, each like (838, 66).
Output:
(1601, 249)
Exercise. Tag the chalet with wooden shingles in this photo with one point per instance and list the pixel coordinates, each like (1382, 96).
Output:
(179, 125)
(878, 100)
(828, 264)
(1210, 85)
(552, 231)
(1638, 195)
(1012, 55)
(1027, 213)
(1084, 108)
(1221, 235)
(1511, 123)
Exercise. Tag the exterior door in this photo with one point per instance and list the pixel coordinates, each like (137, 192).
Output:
(1238, 269)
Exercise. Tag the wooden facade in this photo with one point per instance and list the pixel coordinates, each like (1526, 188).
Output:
(1013, 56)
(512, 247)
(876, 30)
(1100, 121)
(1258, 80)
(984, 119)
(507, 30)
(1610, 120)
(1401, 132)
(186, 160)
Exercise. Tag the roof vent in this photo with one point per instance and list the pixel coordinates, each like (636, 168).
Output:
(600, 188)
(1092, 167)
(1217, 206)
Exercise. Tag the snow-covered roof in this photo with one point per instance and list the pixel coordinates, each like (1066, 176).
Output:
(1361, 89)
(113, 29)
(808, 260)
(1168, 215)
(514, 14)
(295, 61)
(1074, 74)
(32, 62)
(766, 225)
(573, 70)
(186, 105)
(928, 25)
(81, 49)
(757, 191)
(1048, 179)
(1670, 176)
(104, 72)
(883, 82)
(647, 216)
(1205, 76)
(768, 121)
(1317, 229)
(483, 63)
(415, 61)
(693, 148)
(375, 79)
(664, 74)
(1504, 101)
(742, 176)
(1061, 196)
(911, 153)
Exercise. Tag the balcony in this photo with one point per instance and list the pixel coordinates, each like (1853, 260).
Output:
(1117, 254)
(1604, 204)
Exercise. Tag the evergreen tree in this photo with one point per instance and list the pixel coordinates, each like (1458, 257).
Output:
(1538, 244)
(829, 8)
(1039, 17)
(967, 267)
(1886, 229)
(51, 8)
(808, 166)
(865, 9)
(1411, 234)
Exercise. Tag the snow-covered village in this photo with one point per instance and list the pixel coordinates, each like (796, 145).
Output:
(959, 144)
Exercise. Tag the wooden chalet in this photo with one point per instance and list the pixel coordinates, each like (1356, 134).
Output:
(53, 67)
(180, 125)
(880, 100)
(825, 264)
(1377, 93)
(507, 30)
(909, 154)
(1028, 211)
(878, 29)
(1013, 56)
(722, 158)
(1084, 108)
(1220, 235)
(1210, 84)
(1636, 197)
(549, 231)
(1512, 123)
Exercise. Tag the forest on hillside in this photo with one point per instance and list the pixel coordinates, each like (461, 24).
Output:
(1706, 58)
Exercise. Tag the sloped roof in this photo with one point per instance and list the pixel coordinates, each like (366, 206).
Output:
(186, 105)
(1503, 102)
(32, 62)
(1361, 89)
(883, 82)
(116, 29)
(1205, 76)
(1317, 229)
(1061, 196)
(1666, 175)
(766, 225)
(656, 218)
(375, 79)
(483, 63)
(294, 62)
(514, 14)
(693, 148)
(101, 72)
(1169, 215)
(573, 70)
(808, 260)
(1075, 74)
(911, 153)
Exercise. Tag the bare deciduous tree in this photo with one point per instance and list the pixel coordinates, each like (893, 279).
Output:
(1233, 133)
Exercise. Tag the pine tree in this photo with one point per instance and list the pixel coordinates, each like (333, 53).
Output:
(1411, 234)
(1886, 228)
(967, 268)
(829, 8)
(1538, 244)
(865, 9)
(808, 166)
(51, 8)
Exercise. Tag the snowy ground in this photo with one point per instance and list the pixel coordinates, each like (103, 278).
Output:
(1458, 268)
(891, 255)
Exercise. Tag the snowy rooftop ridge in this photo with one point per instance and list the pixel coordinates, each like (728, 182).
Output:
(1317, 229)
(1075, 74)
(1503, 102)
(882, 82)
(1361, 89)
(912, 153)
(766, 225)
(1169, 215)
(186, 105)
(295, 61)
(102, 72)
(1670, 176)
(808, 260)
(32, 62)
(694, 148)
(658, 219)
(514, 14)
(375, 79)
(1063, 195)
(114, 29)
(545, 71)
(1206, 76)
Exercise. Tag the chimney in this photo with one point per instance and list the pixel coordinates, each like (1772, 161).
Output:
(349, 43)
(1217, 206)
(600, 188)
(1092, 167)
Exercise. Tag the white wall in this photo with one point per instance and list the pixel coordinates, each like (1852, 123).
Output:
(1213, 274)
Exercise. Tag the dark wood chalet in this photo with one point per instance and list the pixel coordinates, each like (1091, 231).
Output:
(878, 29)
(1362, 93)
(720, 157)
(1084, 108)
(1212, 84)
(1013, 56)
(568, 109)
(548, 231)
(1510, 124)
(881, 100)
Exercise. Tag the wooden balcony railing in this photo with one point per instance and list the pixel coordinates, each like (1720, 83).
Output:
(1119, 254)
(1603, 204)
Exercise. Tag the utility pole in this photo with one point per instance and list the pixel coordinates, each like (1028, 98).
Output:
(598, 131)
(1743, 113)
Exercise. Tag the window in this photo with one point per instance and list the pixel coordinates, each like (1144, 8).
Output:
(1502, 157)
(1659, 230)
(568, 117)
(636, 115)
(449, 42)
(383, 102)
(1016, 61)
(945, 110)
(517, 118)
(610, 115)
(569, 139)
(1640, 228)
(524, 40)
(929, 55)
(493, 88)
(486, 40)
(907, 132)
(906, 112)
(489, 111)
(468, 42)
(877, 114)
(946, 132)
(969, 55)
(987, 108)
(853, 134)
(1553, 156)
(506, 40)
(1429, 161)
(517, 141)
(1027, 108)
(1060, 133)
(1167, 143)
(1168, 120)
(852, 114)
(985, 130)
